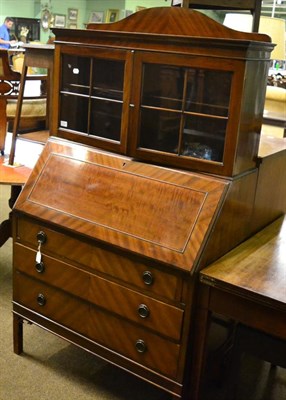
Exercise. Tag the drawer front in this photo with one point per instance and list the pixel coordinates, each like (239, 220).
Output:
(106, 329)
(62, 246)
(144, 310)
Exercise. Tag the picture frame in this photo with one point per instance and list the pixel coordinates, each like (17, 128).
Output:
(31, 27)
(125, 13)
(46, 19)
(59, 21)
(72, 14)
(112, 15)
(96, 17)
(140, 8)
(72, 25)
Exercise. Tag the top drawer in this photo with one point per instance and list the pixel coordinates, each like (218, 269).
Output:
(82, 253)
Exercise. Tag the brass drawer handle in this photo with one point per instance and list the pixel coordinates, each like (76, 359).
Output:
(40, 267)
(143, 311)
(41, 300)
(148, 278)
(141, 346)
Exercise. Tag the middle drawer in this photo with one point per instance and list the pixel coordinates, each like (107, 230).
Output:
(151, 313)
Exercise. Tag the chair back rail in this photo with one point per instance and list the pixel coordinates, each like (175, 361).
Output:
(9, 90)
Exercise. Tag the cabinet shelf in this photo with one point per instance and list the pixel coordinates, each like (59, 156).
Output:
(179, 112)
(68, 93)
(106, 99)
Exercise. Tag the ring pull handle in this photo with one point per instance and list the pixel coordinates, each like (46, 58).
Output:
(41, 300)
(141, 346)
(143, 311)
(148, 278)
(40, 267)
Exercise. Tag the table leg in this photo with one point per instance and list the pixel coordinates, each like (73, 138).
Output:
(201, 322)
(3, 124)
(18, 114)
(17, 334)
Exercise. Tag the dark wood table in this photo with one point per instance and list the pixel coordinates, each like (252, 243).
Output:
(15, 177)
(247, 285)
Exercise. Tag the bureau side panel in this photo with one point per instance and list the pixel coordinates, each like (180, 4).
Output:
(270, 199)
(233, 224)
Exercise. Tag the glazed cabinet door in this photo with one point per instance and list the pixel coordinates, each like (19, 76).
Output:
(184, 112)
(94, 96)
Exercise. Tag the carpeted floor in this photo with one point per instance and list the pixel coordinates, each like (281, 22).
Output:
(52, 369)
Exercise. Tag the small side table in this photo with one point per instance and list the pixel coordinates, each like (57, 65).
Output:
(246, 285)
(40, 56)
(15, 177)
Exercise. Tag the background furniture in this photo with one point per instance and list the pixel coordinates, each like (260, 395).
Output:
(9, 89)
(34, 106)
(40, 56)
(275, 107)
(248, 286)
(33, 113)
(18, 63)
(16, 178)
(32, 25)
(254, 6)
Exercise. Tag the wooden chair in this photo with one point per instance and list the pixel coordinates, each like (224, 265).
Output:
(254, 6)
(34, 110)
(9, 89)
(18, 62)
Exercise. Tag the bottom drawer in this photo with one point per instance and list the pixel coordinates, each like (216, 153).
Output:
(116, 334)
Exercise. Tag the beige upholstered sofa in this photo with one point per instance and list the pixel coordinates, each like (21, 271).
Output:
(33, 111)
(275, 111)
(275, 101)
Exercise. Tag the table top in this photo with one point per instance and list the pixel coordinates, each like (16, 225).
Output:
(41, 56)
(256, 269)
(270, 145)
(37, 46)
(275, 115)
(10, 175)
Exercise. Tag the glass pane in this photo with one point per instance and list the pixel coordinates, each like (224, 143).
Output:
(76, 74)
(107, 79)
(208, 91)
(163, 86)
(105, 119)
(204, 138)
(159, 130)
(74, 112)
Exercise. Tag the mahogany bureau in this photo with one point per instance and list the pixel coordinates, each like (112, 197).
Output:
(76, 271)
(151, 173)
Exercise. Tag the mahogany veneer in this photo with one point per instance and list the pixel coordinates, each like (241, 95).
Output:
(119, 234)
